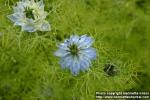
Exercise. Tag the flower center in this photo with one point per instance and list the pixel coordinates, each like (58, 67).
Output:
(74, 49)
(29, 13)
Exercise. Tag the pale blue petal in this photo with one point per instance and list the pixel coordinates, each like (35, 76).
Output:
(18, 9)
(45, 26)
(21, 5)
(61, 53)
(89, 52)
(30, 20)
(84, 63)
(19, 23)
(82, 39)
(63, 64)
(13, 18)
(75, 67)
(85, 42)
(66, 61)
(28, 28)
(84, 66)
(41, 5)
(63, 46)
(74, 39)
(67, 42)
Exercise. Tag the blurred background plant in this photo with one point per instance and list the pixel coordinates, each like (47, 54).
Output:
(121, 29)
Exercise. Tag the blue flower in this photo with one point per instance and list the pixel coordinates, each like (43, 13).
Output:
(30, 15)
(76, 53)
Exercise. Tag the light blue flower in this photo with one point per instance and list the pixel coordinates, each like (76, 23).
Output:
(76, 53)
(30, 15)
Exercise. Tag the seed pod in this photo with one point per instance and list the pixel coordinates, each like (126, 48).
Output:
(110, 69)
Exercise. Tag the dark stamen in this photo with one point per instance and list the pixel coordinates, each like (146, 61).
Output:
(74, 49)
(29, 13)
